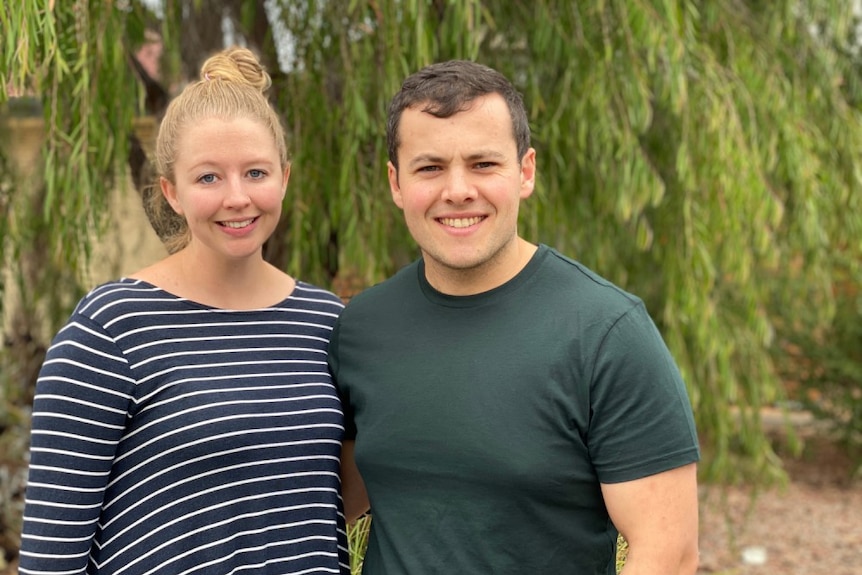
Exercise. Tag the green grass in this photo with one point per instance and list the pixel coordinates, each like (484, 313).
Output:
(357, 536)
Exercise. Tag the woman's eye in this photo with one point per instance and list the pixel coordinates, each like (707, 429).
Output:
(207, 179)
(256, 174)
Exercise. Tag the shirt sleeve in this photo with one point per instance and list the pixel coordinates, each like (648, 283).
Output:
(343, 393)
(641, 422)
(83, 397)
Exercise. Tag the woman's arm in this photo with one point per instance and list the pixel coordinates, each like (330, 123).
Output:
(79, 415)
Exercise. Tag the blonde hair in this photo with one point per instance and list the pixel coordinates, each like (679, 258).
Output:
(232, 85)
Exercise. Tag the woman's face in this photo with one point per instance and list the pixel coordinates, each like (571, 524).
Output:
(229, 186)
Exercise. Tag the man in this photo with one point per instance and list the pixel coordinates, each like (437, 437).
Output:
(511, 409)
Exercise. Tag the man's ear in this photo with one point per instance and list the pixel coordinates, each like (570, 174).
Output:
(169, 191)
(393, 185)
(528, 173)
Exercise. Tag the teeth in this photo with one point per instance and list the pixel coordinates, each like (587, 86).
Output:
(237, 225)
(460, 222)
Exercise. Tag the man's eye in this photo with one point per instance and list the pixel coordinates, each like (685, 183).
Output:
(485, 165)
(429, 168)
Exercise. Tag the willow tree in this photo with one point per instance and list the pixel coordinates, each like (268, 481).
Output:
(698, 153)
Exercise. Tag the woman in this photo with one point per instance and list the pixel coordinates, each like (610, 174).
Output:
(184, 419)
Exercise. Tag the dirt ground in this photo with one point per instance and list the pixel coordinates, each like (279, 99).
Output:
(813, 526)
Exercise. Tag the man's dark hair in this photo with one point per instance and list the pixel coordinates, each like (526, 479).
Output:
(446, 88)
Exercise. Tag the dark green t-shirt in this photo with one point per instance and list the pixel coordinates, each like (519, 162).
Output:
(484, 424)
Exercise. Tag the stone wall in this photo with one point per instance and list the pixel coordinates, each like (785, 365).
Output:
(128, 243)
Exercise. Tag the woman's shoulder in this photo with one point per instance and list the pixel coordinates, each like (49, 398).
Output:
(316, 298)
(125, 294)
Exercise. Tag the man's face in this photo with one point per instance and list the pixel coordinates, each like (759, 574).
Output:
(460, 183)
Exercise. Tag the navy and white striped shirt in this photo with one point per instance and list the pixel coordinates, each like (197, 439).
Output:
(171, 437)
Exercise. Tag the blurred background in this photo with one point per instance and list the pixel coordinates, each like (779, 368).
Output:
(703, 155)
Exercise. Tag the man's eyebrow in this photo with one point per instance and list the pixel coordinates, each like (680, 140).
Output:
(485, 154)
(434, 159)
(424, 159)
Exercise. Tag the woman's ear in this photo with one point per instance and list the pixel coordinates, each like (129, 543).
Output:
(285, 180)
(169, 191)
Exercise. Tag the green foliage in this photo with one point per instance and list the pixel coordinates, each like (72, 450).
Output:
(823, 363)
(357, 539)
(359, 530)
(700, 154)
(349, 60)
(74, 55)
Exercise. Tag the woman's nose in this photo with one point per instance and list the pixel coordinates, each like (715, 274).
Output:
(236, 193)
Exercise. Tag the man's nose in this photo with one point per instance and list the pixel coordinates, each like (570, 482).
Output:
(459, 187)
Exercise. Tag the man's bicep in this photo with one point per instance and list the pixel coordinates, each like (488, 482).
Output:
(658, 516)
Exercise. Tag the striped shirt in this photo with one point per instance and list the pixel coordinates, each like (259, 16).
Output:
(169, 437)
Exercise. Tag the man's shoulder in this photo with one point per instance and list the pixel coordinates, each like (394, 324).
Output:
(402, 282)
(585, 285)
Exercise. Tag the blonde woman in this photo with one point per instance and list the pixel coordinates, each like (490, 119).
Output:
(184, 419)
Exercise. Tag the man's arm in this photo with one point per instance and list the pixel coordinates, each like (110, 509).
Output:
(352, 487)
(658, 516)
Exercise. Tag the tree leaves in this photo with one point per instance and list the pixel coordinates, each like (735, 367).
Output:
(700, 154)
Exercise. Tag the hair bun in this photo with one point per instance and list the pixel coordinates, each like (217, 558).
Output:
(236, 65)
